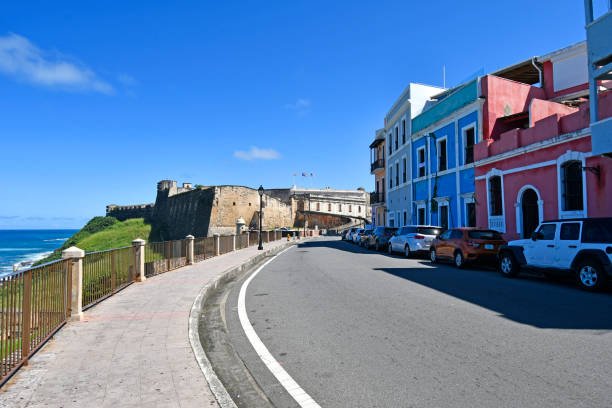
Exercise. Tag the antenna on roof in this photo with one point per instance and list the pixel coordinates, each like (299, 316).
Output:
(444, 76)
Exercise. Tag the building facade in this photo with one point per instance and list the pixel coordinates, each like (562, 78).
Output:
(377, 168)
(398, 130)
(535, 161)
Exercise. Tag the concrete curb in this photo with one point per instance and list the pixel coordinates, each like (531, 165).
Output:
(222, 396)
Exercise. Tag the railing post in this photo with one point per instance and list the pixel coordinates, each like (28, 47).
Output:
(216, 244)
(26, 315)
(76, 286)
(113, 273)
(190, 241)
(15, 267)
(139, 259)
(233, 241)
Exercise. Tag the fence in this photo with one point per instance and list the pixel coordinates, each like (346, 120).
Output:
(164, 256)
(36, 302)
(203, 248)
(105, 272)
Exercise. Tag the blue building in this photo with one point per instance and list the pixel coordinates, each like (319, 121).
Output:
(442, 158)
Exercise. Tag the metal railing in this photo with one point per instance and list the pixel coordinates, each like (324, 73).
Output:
(105, 272)
(165, 256)
(203, 248)
(34, 304)
(377, 164)
(376, 198)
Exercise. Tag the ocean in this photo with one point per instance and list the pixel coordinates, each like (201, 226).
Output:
(28, 246)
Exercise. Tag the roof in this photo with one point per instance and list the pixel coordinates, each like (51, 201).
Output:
(523, 71)
(376, 142)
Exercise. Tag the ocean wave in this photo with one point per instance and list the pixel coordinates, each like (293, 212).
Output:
(19, 249)
(55, 239)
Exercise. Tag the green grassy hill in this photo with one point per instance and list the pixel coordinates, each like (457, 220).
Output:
(102, 233)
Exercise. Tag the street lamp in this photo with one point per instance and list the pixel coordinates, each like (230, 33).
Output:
(260, 190)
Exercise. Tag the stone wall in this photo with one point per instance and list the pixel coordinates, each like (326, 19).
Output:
(124, 212)
(179, 215)
(232, 202)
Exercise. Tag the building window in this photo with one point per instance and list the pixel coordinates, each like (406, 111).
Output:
(470, 214)
(469, 137)
(358, 209)
(339, 207)
(495, 196)
(390, 143)
(571, 184)
(404, 131)
(396, 174)
(404, 170)
(443, 211)
(329, 207)
(405, 218)
(442, 163)
(396, 139)
(318, 207)
(421, 216)
(390, 178)
(383, 186)
(421, 161)
(350, 208)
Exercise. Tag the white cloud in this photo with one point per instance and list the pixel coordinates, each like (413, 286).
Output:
(126, 79)
(257, 153)
(300, 104)
(24, 60)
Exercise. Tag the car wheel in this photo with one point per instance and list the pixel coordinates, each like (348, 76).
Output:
(508, 266)
(407, 252)
(433, 257)
(459, 261)
(591, 276)
(389, 248)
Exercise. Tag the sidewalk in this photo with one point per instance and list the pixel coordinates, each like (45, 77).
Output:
(131, 350)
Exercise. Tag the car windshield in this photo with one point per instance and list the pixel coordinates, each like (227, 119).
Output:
(487, 234)
(428, 231)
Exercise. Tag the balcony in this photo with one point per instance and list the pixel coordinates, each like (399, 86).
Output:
(377, 198)
(378, 164)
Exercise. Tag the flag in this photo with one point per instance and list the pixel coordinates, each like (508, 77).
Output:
(303, 174)
(311, 175)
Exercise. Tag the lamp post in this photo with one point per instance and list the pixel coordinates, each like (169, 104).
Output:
(260, 190)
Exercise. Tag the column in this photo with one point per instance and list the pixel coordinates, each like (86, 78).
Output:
(76, 298)
(139, 259)
(190, 241)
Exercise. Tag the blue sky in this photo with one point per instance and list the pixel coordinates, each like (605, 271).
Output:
(100, 100)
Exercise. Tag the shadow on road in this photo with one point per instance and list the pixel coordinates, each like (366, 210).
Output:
(532, 301)
(528, 300)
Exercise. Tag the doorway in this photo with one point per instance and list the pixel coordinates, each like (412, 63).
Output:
(529, 208)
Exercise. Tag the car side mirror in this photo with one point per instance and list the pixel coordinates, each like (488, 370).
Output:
(535, 236)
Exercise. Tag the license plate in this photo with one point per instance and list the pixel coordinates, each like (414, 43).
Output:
(489, 246)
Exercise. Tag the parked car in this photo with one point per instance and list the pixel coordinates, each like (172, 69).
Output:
(412, 239)
(356, 235)
(581, 247)
(347, 234)
(363, 240)
(380, 237)
(463, 245)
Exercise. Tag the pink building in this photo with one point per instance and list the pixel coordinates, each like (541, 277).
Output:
(535, 161)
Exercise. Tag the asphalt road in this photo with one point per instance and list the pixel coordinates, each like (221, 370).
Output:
(356, 328)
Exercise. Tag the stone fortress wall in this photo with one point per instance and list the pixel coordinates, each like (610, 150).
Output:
(208, 210)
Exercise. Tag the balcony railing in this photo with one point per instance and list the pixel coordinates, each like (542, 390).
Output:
(376, 198)
(377, 164)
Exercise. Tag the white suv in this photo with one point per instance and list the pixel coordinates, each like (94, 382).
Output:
(581, 246)
(412, 239)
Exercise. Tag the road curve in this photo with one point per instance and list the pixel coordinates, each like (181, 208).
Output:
(355, 328)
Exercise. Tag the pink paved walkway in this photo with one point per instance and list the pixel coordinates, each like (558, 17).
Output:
(131, 350)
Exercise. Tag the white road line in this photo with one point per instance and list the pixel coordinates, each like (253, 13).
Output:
(293, 388)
